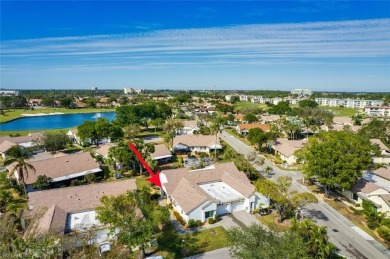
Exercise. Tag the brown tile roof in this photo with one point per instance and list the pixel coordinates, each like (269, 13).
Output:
(287, 147)
(383, 172)
(5, 145)
(23, 139)
(190, 124)
(57, 203)
(264, 127)
(104, 149)
(270, 117)
(195, 140)
(386, 198)
(61, 166)
(342, 120)
(379, 143)
(160, 150)
(183, 186)
(364, 187)
(239, 117)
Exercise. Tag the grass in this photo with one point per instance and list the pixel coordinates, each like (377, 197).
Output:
(141, 182)
(12, 115)
(248, 106)
(271, 222)
(173, 245)
(26, 132)
(342, 111)
(356, 219)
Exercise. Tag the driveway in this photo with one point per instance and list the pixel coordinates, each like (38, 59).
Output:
(222, 253)
(245, 218)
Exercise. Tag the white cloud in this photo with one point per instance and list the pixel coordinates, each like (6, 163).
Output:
(317, 42)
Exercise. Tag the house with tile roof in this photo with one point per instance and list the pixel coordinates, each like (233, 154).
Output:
(285, 148)
(192, 143)
(72, 209)
(244, 128)
(217, 190)
(104, 149)
(60, 169)
(29, 141)
(190, 127)
(161, 154)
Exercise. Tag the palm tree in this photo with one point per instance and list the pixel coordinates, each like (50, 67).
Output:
(22, 168)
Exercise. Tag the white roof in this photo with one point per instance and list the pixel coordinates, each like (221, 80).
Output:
(221, 192)
(82, 220)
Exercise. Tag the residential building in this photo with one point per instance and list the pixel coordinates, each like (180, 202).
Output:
(35, 102)
(217, 190)
(30, 141)
(72, 209)
(9, 93)
(60, 169)
(244, 98)
(350, 103)
(5, 146)
(244, 128)
(377, 111)
(301, 92)
(382, 147)
(190, 127)
(269, 118)
(193, 143)
(72, 134)
(161, 154)
(129, 90)
(285, 148)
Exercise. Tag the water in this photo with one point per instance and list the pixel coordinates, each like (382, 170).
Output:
(54, 121)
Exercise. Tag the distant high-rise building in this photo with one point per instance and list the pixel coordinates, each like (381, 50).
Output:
(94, 88)
(130, 90)
(301, 92)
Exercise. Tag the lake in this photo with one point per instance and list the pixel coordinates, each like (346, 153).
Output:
(54, 121)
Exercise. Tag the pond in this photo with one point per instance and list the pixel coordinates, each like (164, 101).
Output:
(54, 121)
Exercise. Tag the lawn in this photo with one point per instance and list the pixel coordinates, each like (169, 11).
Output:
(173, 245)
(342, 111)
(26, 132)
(141, 182)
(11, 114)
(248, 106)
(271, 222)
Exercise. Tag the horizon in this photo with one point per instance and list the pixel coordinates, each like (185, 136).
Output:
(335, 46)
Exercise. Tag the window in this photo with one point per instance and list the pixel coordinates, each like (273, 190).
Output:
(209, 214)
(355, 197)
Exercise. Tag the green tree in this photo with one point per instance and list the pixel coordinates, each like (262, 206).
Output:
(22, 169)
(138, 218)
(336, 158)
(131, 131)
(315, 237)
(379, 129)
(268, 170)
(257, 137)
(42, 182)
(250, 118)
(16, 151)
(116, 133)
(280, 109)
(308, 103)
(55, 141)
(171, 127)
(285, 202)
(66, 102)
(95, 131)
(257, 243)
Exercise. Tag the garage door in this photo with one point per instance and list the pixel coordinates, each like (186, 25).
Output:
(223, 209)
(237, 206)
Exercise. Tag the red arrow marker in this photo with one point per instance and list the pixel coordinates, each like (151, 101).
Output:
(154, 178)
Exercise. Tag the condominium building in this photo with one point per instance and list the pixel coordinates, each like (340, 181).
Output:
(350, 103)
(301, 92)
(377, 110)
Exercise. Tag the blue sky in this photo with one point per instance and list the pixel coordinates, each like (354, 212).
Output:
(276, 45)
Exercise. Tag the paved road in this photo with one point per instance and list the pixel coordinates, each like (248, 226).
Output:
(344, 234)
(222, 253)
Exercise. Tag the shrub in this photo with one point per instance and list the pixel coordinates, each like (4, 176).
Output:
(216, 217)
(384, 233)
(210, 221)
(357, 205)
(191, 223)
(170, 206)
(199, 223)
(203, 154)
(179, 218)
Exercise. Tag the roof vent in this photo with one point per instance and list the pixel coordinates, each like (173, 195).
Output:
(78, 199)
(70, 196)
